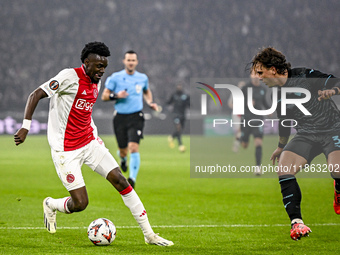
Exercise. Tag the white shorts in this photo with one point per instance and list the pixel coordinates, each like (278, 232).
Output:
(68, 163)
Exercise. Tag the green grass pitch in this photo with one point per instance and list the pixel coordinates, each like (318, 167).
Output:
(200, 215)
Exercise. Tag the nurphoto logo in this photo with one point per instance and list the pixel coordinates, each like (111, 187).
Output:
(301, 96)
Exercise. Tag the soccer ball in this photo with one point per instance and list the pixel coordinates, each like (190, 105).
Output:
(101, 232)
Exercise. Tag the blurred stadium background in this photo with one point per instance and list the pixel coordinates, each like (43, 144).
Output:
(176, 40)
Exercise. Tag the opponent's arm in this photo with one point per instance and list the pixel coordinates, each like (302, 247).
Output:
(32, 102)
(328, 93)
(329, 84)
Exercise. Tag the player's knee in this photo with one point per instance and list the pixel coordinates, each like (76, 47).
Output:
(80, 205)
(133, 147)
(116, 178)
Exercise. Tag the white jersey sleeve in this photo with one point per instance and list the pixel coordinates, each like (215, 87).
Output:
(60, 82)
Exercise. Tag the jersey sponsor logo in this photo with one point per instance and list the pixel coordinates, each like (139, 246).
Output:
(83, 105)
(70, 178)
(138, 88)
(54, 85)
(238, 96)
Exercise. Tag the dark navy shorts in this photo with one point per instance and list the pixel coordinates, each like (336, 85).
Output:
(309, 146)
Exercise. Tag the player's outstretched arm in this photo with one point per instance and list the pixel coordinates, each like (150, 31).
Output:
(32, 102)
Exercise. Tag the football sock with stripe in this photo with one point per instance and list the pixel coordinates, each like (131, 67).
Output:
(134, 165)
(59, 204)
(132, 201)
(291, 196)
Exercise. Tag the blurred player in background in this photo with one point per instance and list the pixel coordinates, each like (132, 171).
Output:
(74, 141)
(236, 120)
(127, 88)
(317, 132)
(259, 103)
(180, 102)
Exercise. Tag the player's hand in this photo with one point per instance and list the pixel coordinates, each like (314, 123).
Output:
(122, 94)
(276, 155)
(326, 94)
(20, 136)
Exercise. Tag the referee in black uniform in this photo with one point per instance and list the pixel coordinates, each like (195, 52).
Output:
(317, 133)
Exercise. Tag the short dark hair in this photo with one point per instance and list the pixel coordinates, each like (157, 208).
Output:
(269, 57)
(130, 52)
(98, 48)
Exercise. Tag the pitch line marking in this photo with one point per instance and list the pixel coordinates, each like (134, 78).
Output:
(186, 226)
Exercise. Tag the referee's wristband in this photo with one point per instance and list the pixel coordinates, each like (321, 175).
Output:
(26, 124)
(113, 96)
(280, 145)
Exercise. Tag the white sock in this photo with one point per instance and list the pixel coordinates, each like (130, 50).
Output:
(59, 204)
(132, 201)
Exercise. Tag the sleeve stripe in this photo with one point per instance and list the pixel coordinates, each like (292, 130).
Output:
(327, 80)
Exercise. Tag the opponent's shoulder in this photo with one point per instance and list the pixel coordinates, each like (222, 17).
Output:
(307, 72)
(298, 71)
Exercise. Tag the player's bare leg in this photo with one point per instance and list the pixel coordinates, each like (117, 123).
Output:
(291, 195)
(132, 201)
(334, 167)
(77, 202)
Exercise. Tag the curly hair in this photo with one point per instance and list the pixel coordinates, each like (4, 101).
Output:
(98, 48)
(269, 57)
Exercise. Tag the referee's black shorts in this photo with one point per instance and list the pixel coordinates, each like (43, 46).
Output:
(309, 146)
(128, 128)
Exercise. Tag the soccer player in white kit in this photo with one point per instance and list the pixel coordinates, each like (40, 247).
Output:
(74, 141)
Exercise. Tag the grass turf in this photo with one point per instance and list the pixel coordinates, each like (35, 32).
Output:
(200, 215)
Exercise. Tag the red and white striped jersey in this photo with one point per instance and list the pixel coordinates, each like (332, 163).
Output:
(72, 96)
